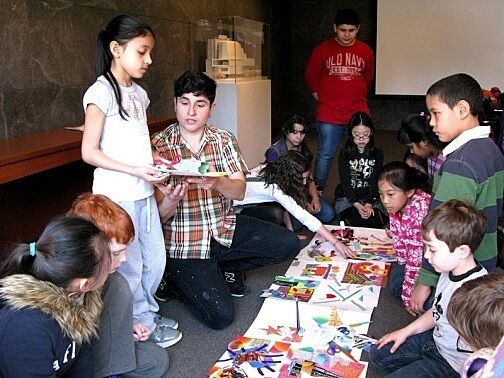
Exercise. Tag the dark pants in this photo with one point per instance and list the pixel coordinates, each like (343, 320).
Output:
(352, 217)
(267, 211)
(200, 284)
(416, 357)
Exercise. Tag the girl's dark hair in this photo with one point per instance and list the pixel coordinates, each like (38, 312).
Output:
(350, 150)
(288, 127)
(121, 29)
(404, 177)
(415, 128)
(287, 172)
(196, 83)
(69, 248)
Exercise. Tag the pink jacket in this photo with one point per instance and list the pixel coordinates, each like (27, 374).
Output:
(406, 232)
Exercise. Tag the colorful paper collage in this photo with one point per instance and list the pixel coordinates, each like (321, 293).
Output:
(317, 271)
(370, 244)
(250, 357)
(291, 288)
(320, 327)
(346, 296)
(367, 273)
(328, 361)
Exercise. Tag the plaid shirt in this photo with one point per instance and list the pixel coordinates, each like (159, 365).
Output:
(434, 163)
(202, 214)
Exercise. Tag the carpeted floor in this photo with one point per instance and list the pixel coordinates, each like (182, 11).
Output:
(200, 346)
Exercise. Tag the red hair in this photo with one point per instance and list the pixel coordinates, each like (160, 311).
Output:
(108, 216)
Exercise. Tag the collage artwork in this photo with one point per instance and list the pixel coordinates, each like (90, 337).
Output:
(314, 320)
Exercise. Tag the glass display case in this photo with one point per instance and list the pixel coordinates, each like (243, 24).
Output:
(233, 48)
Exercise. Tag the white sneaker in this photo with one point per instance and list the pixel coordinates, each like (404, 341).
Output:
(164, 321)
(165, 336)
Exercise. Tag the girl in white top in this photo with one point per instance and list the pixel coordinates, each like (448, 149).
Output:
(283, 181)
(116, 141)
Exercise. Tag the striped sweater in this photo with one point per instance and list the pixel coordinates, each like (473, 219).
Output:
(474, 173)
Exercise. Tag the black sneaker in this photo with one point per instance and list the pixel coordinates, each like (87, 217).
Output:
(236, 283)
(163, 294)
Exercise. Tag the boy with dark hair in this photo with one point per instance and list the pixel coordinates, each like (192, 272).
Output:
(472, 172)
(428, 347)
(122, 346)
(209, 247)
(338, 74)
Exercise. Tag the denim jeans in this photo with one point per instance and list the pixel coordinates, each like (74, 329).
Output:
(325, 215)
(329, 137)
(416, 357)
(396, 279)
(200, 284)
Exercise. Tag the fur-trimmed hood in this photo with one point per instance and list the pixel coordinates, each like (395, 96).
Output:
(78, 320)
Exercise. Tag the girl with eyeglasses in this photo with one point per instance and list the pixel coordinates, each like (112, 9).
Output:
(356, 196)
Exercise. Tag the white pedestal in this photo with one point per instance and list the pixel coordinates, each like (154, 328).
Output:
(244, 108)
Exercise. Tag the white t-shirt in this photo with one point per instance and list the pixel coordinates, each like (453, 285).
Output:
(444, 335)
(126, 141)
(258, 192)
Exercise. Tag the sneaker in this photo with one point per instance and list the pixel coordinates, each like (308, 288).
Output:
(165, 336)
(163, 294)
(236, 283)
(166, 322)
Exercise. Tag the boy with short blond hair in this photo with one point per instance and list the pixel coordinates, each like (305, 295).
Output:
(472, 172)
(429, 345)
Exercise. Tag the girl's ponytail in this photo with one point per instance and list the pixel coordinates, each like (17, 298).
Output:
(121, 29)
(68, 248)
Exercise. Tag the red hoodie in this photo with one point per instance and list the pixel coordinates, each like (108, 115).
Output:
(341, 76)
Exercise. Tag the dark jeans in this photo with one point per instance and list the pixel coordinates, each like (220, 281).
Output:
(200, 284)
(396, 280)
(325, 215)
(267, 211)
(352, 217)
(416, 357)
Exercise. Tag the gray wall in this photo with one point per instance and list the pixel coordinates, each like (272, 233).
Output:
(47, 53)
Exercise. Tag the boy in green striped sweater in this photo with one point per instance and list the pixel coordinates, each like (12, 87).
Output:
(472, 172)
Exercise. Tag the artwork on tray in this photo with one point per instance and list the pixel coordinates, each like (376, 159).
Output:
(291, 288)
(250, 357)
(367, 273)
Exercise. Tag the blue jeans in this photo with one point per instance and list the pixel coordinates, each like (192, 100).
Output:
(416, 357)
(325, 215)
(329, 137)
(396, 279)
(200, 284)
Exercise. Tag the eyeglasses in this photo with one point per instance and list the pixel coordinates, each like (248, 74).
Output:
(461, 349)
(362, 136)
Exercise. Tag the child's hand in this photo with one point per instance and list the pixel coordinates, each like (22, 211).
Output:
(150, 174)
(140, 332)
(398, 337)
(411, 311)
(347, 252)
(314, 206)
(419, 295)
